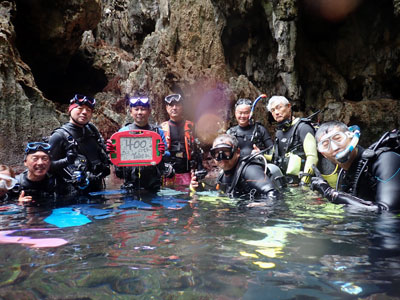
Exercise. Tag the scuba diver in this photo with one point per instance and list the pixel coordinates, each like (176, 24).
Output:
(368, 178)
(249, 177)
(148, 178)
(252, 136)
(79, 159)
(295, 148)
(36, 183)
(182, 145)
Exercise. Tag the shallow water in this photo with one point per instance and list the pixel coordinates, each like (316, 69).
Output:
(176, 246)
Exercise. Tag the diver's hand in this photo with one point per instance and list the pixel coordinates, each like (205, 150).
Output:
(24, 200)
(194, 184)
(322, 186)
(255, 149)
(161, 147)
(110, 148)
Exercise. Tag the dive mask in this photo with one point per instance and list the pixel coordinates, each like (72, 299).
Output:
(7, 182)
(222, 152)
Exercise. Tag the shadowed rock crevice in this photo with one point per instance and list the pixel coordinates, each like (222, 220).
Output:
(49, 41)
(340, 53)
(249, 48)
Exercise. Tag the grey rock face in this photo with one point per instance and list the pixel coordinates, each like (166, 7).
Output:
(212, 52)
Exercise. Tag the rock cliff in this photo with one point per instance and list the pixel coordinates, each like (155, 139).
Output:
(339, 56)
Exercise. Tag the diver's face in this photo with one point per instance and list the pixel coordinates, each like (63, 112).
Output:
(175, 110)
(333, 142)
(38, 165)
(281, 112)
(81, 115)
(225, 156)
(242, 113)
(140, 115)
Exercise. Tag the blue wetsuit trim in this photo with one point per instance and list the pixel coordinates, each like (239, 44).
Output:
(391, 177)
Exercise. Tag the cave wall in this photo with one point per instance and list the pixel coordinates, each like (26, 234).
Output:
(342, 59)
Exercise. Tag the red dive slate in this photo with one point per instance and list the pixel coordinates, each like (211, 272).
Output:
(136, 148)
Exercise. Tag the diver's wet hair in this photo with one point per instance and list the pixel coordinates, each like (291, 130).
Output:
(326, 127)
(226, 137)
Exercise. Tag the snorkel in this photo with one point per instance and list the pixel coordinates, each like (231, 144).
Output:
(254, 104)
(344, 156)
(251, 114)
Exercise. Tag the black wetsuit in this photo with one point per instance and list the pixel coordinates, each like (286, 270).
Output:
(177, 147)
(43, 189)
(379, 183)
(249, 136)
(148, 177)
(247, 180)
(4, 198)
(85, 141)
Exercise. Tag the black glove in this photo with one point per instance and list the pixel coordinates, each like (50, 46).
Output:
(71, 156)
(322, 186)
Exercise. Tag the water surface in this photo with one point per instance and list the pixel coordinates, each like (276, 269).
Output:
(176, 246)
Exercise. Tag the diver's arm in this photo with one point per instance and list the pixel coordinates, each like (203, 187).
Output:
(386, 170)
(58, 152)
(266, 138)
(319, 184)
(255, 178)
(161, 133)
(310, 151)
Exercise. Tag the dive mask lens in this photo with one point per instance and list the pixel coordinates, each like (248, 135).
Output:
(7, 182)
(37, 146)
(222, 152)
(139, 101)
(83, 100)
(338, 138)
(174, 97)
(243, 101)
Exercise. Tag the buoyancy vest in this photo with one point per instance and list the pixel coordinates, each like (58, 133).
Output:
(97, 162)
(41, 189)
(147, 177)
(252, 134)
(291, 153)
(237, 183)
(188, 136)
(389, 141)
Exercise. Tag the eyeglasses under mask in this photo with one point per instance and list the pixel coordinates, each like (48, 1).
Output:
(339, 138)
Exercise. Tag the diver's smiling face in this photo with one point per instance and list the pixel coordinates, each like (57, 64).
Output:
(38, 165)
(242, 113)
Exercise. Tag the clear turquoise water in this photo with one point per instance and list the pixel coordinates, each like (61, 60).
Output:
(200, 247)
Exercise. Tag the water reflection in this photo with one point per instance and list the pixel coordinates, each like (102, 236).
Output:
(173, 245)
